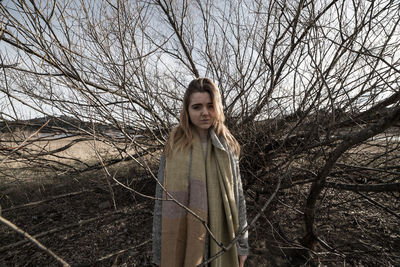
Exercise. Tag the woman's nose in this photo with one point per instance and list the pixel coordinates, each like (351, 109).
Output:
(204, 111)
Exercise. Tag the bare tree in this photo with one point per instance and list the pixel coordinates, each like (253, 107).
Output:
(310, 88)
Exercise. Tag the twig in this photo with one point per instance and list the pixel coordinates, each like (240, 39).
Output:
(171, 198)
(330, 249)
(224, 249)
(122, 251)
(47, 200)
(392, 187)
(57, 229)
(33, 240)
(379, 205)
(14, 149)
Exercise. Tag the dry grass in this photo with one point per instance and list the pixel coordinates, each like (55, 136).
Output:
(32, 175)
(83, 150)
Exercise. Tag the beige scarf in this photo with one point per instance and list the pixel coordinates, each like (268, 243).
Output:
(205, 186)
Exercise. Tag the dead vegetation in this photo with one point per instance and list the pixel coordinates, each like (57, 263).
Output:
(310, 89)
(87, 222)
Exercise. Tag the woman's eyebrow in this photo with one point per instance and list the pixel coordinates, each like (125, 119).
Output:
(200, 104)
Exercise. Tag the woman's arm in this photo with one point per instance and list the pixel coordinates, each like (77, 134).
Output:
(243, 244)
(157, 215)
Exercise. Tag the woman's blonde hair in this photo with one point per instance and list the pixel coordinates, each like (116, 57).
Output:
(181, 137)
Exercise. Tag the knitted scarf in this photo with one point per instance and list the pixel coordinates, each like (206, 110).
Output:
(205, 186)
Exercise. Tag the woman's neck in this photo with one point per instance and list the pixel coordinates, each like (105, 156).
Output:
(203, 134)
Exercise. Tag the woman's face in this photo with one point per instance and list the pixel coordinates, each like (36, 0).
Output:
(201, 110)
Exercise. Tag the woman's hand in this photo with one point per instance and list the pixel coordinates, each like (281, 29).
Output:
(242, 259)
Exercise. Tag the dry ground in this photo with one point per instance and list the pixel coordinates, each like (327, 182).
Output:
(77, 219)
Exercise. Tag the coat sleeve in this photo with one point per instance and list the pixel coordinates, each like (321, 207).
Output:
(243, 243)
(157, 215)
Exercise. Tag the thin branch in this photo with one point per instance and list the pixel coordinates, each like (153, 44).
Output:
(392, 187)
(379, 205)
(33, 240)
(253, 221)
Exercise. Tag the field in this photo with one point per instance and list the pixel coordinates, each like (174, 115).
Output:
(90, 220)
(83, 218)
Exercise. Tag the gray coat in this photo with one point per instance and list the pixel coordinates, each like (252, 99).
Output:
(242, 244)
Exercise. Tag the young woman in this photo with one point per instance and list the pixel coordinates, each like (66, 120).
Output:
(200, 169)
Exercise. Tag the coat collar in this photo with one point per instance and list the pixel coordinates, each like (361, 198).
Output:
(217, 141)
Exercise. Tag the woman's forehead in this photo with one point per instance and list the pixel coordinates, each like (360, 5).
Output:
(200, 98)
